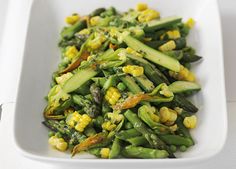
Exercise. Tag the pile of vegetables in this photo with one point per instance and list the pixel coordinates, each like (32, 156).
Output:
(121, 89)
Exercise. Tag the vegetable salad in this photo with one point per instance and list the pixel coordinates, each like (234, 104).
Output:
(122, 86)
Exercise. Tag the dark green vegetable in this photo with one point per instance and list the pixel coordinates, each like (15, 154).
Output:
(96, 93)
(97, 12)
(69, 32)
(182, 102)
(69, 134)
(91, 109)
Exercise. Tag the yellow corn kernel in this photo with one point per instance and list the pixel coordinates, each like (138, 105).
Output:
(115, 117)
(167, 115)
(63, 78)
(132, 51)
(73, 118)
(72, 19)
(112, 95)
(170, 45)
(105, 152)
(108, 126)
(141, 6)
(83, 123)
(183, 74)
(95, 20)
(190, 122)
(165, 91)
(155, 117)
(175, 34)
(148, 15)
(190, 23)
(173, 128)
(133, 70)
(178, 110)
(71, 52)
(58, 143)
(84, 32)
(62, 146)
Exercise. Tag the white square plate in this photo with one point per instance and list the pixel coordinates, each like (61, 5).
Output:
(42, 55)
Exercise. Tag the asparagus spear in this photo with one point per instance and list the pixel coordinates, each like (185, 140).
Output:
(153, 140)
(140, 152)
(115, 149)
(125, 134)
(91, 109)
(70, 134)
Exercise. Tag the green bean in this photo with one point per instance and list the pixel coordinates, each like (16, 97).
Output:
(125, 134)
(140, 152)
(115, 149)
(176, 140)
(137, 141)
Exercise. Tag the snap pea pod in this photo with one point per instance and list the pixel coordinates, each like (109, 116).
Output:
(176, 140)
(153, 140)
(137, 141)
(126, 134)
(141, 152)
(115, 149)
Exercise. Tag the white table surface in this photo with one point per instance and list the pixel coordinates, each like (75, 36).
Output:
(13, 19)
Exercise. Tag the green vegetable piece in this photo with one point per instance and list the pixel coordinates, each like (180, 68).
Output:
(95, 151)
(145, 113)
(51, 133)
(100, 81)
(137, 141)
(152, 54)
(184, 86)
(97, 12)
(183, 148)
(128, 125)
(130, 83)
(153, 140)
(141, 152)
(176, 140)
(180, 101)
(144, 83)
(162, 23)
(121, 86)
(173, 148)
(126, 134)
(115, 149)
(78, 79)
(69, 32)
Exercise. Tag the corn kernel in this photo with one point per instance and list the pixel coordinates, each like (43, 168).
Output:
(58, 143)
(112, 95)
(148, 15)
(83, 123)
(108, 126)
(175, 34)
(173, 128)
(183, 74)
(167, 115)
(95, 20)
(190, 122)
(105, 152)
(141, 6)
(84, 32)
(190, 23)
(170, 45)
(71, 52)
(155, 117)
(72, 19)
(73, 118)
(133, 70)
(178, 110)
